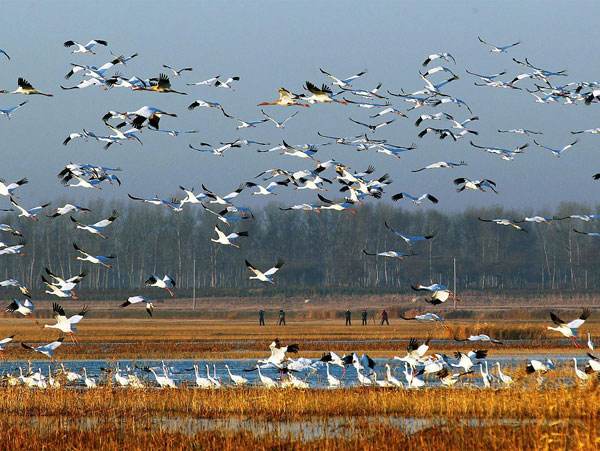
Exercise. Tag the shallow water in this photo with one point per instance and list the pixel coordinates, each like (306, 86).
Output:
(182, 371)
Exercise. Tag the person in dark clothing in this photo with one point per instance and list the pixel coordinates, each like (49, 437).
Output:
(261, 317)
(364, 315)
(348, 316)
(384, 318)
(281, 318)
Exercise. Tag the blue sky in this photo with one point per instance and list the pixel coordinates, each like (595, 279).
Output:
(283, 43)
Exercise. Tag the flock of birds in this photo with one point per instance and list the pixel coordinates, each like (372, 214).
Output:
(356, 186)
(419, 369)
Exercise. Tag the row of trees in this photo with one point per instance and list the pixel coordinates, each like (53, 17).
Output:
(322, 252)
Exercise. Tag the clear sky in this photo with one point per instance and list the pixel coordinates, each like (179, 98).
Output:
(283, 43)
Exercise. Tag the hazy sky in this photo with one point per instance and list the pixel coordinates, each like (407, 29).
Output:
(283, 43)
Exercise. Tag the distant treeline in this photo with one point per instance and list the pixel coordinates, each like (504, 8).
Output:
(322, 252)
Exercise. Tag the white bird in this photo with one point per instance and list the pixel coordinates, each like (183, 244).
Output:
(213, 379)
(270, 188)
(63, 287)
(415, 352)
(15, 249)
(31, 213)
(25, 308)
(343, 82)
(504, 222)
(362, 379)
(206, 82)
(120, 379)
(103, 260)
(68, 208)
(593, 365)
(87, 48)
(67, 325)
(332, 381)
(556, 152)
(412, 379)
(225, 84)
(25, 88)
(266, 276)
(409, 239)
(163, 381)
(496, 48)
(504, 378)
(5, 341)
(390, 378)
(581, 375)
(236, 379)
(480, 337)
(521, 131)
(70, 375)
(15, 283)
(7, 189)
(47, 350)
(227, 240)
(443, 55)
(7, 112)
(441, 165)
(277, 123)
(98, 227)
(265, 380)
(202, 382)
(485, 375)
(505, 154)
(391, 254)
(89, 382)
(465, 361)
(425, 317)
(166, 283)
(537, 366)
(592, 234)
(590, 343)
(10, 229)
(474, 185)
(570, 329)
(415, 200)
(223, 200)
(177, 72)
(137, 300)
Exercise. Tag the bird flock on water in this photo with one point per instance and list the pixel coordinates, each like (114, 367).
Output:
(424, 106)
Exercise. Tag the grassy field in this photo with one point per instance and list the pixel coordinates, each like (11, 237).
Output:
(520, 418)
(193, 338)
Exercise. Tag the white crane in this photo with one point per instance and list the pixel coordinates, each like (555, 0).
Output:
(87, 48)
(497, 48)
(236, 380)
(581, 375)
(103, 260)
(465, 361)
(332, 381)
(31, 213)
(390, 378)
(570, 329)
(89, 382)
(48, 349)
(166, 283)
(25, 308)
(7, 112)
(5, 341)
(137, 300)
(67, 325)
(409, 239)
(7, 189)
(266, 276)
(98, 227)
(202, 382)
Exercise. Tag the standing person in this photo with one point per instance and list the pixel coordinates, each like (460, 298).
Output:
(281, 318)
(348, 316)
(364, 316)
(261, 317)
(384, 318)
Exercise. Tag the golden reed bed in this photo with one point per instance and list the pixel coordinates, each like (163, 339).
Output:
(106, 418)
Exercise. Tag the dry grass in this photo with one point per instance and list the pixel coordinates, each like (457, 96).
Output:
(178, 338)
(470, 419)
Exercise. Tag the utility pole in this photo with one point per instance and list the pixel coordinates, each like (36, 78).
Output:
(454, 265)
(194, 286)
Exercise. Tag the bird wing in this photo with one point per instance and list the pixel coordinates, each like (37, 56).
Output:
(275, 268)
